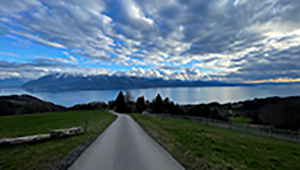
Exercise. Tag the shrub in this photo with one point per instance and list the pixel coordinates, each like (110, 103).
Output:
(6, 108)
(285, 114)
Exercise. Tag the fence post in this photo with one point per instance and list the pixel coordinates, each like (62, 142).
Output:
(86, 122)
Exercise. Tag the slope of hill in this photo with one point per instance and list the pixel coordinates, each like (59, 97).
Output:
(68, 82)
(198, 146)
(25, 104)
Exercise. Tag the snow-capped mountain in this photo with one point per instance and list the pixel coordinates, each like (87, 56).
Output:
(64, 81)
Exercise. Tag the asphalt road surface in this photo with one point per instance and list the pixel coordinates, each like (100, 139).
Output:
(125, 146)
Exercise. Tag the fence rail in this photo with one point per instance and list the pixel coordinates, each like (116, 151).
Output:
(282, 134)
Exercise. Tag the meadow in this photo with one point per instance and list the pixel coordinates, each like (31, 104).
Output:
(44, 155)
(198, 146)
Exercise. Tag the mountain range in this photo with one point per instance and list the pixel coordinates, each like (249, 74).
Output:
(71, 82)
(12, 82)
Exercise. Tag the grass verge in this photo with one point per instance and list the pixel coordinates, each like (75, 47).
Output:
(45, 155)
(198, 146)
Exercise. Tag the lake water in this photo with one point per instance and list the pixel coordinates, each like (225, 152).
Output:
(181, 95)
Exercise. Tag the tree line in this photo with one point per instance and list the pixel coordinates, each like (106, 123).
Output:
(162, 106)
(273, 111)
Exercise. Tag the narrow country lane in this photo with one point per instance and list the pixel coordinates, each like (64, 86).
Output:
(125, 146)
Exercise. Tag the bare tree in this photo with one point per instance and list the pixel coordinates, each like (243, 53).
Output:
(128, 97)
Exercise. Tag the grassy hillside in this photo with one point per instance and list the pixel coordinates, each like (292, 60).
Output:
(198, 146)
(26, 104)
(45, 155)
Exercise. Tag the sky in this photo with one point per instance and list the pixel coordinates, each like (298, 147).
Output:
(249, 41)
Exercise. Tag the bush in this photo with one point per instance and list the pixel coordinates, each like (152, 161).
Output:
(111, 105)
(200, 110)
(285, 114)
(6, 108)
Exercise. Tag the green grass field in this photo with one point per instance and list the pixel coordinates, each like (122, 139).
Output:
(244, 120)
(45, 155)
(198, 146)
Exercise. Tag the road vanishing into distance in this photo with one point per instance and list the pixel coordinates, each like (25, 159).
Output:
(124, 145)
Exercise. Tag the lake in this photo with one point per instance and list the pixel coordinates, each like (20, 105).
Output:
(181, 95)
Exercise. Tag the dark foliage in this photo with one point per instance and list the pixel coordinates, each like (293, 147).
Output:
(216, 115)
(174, 109)
(214, 105)
(120, 105)
(285, 114)
(206, 111)
(157, 104)
(256, 104)
(89, 106)
(140, 104)
(166, 101)
(111, 105)
(25, 104)
(200, 110)
(6, 108)
(131, 106)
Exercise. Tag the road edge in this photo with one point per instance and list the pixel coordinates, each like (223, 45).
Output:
(165, 151)
(73, 155)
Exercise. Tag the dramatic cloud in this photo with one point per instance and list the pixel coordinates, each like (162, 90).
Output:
(227, 40)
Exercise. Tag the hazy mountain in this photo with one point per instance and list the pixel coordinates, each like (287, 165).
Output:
(69, 82)
(12, 82)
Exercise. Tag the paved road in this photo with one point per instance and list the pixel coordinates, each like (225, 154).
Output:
(125, 146)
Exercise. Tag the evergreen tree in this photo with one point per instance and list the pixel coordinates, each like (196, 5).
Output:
(140, 104)
(158, 104)
(120, 105)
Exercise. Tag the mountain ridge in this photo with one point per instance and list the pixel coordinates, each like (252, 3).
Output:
(12, 82)
(66, 82)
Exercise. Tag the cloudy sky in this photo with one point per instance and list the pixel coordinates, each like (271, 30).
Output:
(225, 40)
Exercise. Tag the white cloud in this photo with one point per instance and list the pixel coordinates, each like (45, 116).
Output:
(13, 7)
(9, 54)
(38, 39)
(184, 74)
(229, 37)
(5, 75)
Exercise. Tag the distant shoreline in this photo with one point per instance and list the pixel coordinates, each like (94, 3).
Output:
(180, 95)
